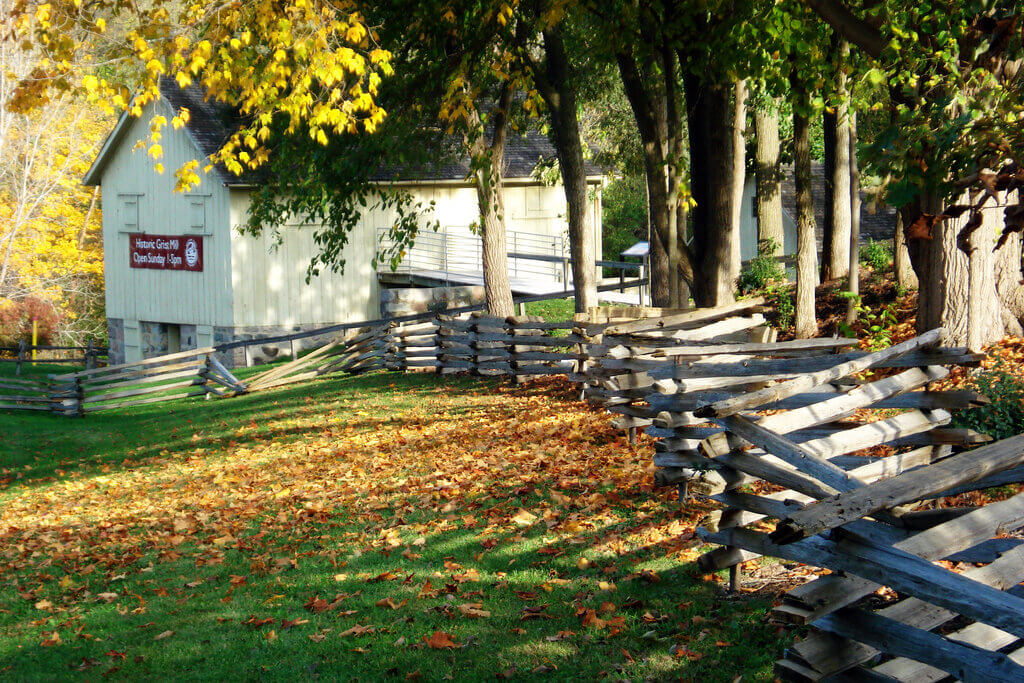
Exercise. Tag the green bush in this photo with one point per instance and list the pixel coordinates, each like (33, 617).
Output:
(1004, 416)
(763, 270)
(780, 298)
(624, 209)
(878, 255)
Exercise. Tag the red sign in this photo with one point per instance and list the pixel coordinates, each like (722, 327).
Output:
(166, 252)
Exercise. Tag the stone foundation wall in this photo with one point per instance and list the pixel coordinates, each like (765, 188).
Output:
(263, 353)
(153, 338)
(399, 301)
(115, 343)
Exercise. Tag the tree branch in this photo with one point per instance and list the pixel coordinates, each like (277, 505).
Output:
(859, 32)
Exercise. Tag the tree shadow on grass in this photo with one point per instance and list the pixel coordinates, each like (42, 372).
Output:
(214, 595)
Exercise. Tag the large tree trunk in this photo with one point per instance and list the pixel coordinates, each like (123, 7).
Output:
(739, 176)
(708, 115)
(653, 111)
(497, 288)
(769, 180)
(947, 288)
(806, 260)
(835, 262)
(488, 156)
(657, 208)
(560, 96)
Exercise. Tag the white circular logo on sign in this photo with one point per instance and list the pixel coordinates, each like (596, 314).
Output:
(191, 253)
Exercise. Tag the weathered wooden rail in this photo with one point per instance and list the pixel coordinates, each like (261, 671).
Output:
(840, 460)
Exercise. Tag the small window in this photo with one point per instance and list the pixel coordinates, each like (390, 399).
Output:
(197, 220)
(129, 209)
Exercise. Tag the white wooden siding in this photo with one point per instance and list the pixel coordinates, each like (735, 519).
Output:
(269, 281)
(181, 297)
(248, 281)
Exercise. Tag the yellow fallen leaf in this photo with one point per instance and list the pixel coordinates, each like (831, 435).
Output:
(165, 634)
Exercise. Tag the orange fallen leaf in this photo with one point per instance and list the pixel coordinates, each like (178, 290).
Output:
(440, 641)
(388, 602)
(524, 518)
(357, 630)
(474, 610)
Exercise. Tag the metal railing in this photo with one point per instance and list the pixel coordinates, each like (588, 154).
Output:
(456, 251)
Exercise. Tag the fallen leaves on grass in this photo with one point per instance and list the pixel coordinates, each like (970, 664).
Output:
(440, 641)
(507, 465)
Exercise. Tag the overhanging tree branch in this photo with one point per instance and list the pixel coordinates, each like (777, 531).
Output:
(859, 32)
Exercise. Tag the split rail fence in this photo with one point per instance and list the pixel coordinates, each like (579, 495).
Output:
(817, 452)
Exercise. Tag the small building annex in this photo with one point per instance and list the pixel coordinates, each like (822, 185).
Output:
(179, 274)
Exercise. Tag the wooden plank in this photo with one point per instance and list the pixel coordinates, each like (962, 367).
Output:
(138, 375)
(877, 433)
(903, 488)
(809, 381)
(826, 654)
(102, 398)
(702, 350)
(843, 405)
(895, 568)
(832, 592)
(699, 315)
(157, 360)
(144, 401)
(190, 370)
(965, 662)
(799, 456)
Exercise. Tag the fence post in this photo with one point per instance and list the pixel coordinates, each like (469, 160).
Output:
(21, 357)
(90, 356)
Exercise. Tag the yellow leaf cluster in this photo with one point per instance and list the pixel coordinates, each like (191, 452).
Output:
(311, 63)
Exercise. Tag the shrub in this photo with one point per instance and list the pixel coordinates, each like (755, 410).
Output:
(763, 270)
(1004, 416)
(878, 255)
(16, 320)
(624, 209)
(780, 298)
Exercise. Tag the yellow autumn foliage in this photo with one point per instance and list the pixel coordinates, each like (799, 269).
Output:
(266, 58)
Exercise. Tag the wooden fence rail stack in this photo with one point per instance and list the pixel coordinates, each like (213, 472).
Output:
(841, 456)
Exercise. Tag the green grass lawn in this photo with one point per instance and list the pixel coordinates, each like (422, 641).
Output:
(382, 526)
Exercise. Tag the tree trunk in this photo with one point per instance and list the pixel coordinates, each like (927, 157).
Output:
(806, 260)
(657, 209)
(947, 289)
(560, 96)
(653, 111)
(851, 304)
(711, 163)
(488, 156)
(497, 288)
(835, 262)
(739, 176)
(769, 180)
(905, 275)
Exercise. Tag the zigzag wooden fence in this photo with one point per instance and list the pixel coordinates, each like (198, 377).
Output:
(839, 460)
(836, 445)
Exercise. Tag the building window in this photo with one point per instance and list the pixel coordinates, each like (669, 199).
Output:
(197, 219)
(128, 206)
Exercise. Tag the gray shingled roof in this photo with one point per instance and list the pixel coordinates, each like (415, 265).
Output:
(211, 123)
(878, 225)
